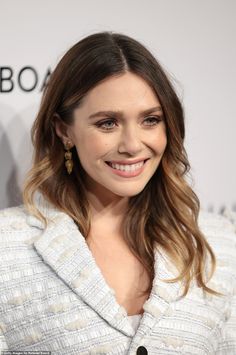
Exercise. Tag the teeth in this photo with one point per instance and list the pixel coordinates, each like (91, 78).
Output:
(127, 167)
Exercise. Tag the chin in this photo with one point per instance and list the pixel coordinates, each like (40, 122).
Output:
(128, 192)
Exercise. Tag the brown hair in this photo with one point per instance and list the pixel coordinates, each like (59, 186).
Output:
(166, 211)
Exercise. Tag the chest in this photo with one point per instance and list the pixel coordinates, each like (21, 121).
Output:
(123, 273)
(55, 299)
(56, 319)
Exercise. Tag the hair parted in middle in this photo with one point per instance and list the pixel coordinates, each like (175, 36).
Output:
(165, 213)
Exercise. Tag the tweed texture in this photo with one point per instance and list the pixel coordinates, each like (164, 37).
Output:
(54, 297)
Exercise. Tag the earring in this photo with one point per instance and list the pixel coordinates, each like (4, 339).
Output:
(68, 158)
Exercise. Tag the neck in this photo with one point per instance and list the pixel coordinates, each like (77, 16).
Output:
(107, 206)
(107, 211)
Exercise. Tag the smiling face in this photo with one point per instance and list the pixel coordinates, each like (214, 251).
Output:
(120, 135)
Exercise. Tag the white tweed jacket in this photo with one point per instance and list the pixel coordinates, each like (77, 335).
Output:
(54, 298)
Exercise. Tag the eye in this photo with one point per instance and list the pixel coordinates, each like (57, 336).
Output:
(152, 120)
(107, 124)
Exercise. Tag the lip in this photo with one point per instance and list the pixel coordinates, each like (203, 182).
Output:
(127, 162)
(127, 174)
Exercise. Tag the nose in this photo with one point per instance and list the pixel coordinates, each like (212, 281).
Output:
(130, 141)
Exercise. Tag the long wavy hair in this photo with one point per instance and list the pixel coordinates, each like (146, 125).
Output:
(166, 212)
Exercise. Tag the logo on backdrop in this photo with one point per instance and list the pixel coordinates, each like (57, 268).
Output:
(27, 79)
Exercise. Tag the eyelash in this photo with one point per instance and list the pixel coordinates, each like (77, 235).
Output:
(155, 119)
(100, 124)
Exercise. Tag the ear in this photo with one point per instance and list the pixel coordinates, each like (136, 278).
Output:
(61, 129)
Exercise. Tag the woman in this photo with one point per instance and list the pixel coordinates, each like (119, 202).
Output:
(109, 254)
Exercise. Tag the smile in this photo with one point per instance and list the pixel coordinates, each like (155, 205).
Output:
(127, 170)
(127, 167)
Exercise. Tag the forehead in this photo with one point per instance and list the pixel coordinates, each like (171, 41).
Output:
(126, 90)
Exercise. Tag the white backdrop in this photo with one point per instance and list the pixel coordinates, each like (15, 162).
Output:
(194, 40)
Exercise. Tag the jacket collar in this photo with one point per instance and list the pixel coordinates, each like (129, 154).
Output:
(64, 249)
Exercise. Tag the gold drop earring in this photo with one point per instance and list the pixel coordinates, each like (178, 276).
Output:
(68, 158)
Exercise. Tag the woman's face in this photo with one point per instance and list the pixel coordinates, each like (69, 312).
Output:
(120, 135)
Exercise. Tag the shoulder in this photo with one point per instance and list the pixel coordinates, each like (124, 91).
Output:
(18, 227)
(209, 220)
(12, 219)
(219, 230)
(15, 230)
(220, 233)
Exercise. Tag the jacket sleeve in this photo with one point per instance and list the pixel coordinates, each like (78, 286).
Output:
(228, 342)
(3, 344)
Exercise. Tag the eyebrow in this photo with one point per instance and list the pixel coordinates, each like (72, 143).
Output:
(120, 113)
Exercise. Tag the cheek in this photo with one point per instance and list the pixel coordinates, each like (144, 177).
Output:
(158, 143)
(92, 146)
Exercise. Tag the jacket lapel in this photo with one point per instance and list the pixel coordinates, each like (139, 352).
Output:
(65, 250)
(162, 295)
